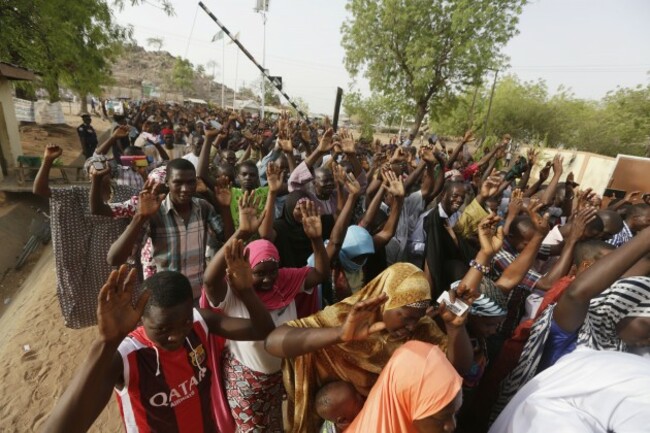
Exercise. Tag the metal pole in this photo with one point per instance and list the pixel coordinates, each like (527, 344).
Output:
(223, 73)
(487, 117)
(263, 56)
(252, 59)
(234, 94)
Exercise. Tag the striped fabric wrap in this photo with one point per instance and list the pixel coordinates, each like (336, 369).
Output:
(629, 297)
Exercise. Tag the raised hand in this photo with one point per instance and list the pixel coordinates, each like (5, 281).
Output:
(52, 152)
(427, 153)
(274, 177)
(583, 199)
(98, 174)
(490, 235)
(238, 267)
(557, 164)
(339, 174)
(364, 319)
(570, 181)
(469, 136)
(285, 144)
(222, 191)
(311, 222)
(249, 222)
(516, 202)
(352, 184)
(116, 314)
(540, 223)
(121, 131)
(579, 223)
(544, 172)
(631, 196)
(149, 200)
(326, 142)
(394, 185)
(305, 136)
(490, 186)
(399, 155)
(347, 142)
(532, 156)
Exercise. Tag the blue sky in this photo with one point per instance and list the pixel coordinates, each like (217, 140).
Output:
(589, 46)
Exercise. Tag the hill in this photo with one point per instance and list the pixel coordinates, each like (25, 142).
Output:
(140, 73)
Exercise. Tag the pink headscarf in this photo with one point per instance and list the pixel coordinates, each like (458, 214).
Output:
(288, 284)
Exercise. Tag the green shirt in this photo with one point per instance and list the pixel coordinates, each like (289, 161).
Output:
(260, 194)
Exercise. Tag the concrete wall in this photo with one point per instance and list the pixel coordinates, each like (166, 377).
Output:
(9, 136)
(590, 170)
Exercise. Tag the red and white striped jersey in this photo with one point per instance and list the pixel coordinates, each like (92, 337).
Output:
(166, 391)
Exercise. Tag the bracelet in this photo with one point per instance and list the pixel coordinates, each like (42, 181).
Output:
(479, 267)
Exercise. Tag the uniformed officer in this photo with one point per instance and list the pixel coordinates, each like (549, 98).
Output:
(87, 136)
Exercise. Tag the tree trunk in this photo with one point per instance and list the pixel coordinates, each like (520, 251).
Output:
(419, 115)
(51, 84)
(83, 103)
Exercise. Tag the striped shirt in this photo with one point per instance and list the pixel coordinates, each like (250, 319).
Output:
(180, 246)
(621, 237)
(166, 391)
(517, 301)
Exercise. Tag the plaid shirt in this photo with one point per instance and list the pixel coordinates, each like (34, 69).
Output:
(517, 299)
(129, 177)
(181, 247)
(621, 237)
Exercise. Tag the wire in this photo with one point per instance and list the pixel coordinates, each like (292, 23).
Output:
(189, 39)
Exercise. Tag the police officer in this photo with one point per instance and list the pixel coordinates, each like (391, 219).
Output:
(87, 136)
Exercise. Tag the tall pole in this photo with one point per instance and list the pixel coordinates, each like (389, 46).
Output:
(223, 73)
(234, 93)
(263, 55)
(276, 82)
(487, 117)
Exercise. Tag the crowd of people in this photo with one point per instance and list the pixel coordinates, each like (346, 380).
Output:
(270, 275)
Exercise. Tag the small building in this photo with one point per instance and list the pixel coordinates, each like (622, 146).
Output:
(249, 106)
(10, 147)
(195, 101)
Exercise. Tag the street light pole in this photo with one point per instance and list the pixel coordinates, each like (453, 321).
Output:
(264, 6)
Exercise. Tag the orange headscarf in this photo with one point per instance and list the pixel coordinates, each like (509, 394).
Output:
(418, 382)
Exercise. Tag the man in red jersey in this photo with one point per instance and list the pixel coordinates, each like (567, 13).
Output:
(159, 371)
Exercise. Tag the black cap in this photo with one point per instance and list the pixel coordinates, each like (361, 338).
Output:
(85, 115)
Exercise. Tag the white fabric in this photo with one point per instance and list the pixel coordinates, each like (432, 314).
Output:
(533, 302)
(252, 353)
(586, 391)
(193, 159)
(554, 237)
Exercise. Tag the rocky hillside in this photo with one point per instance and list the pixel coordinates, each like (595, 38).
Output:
(139, 71)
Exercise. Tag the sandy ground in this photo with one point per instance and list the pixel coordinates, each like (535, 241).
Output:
(38, 354)
(34, 379)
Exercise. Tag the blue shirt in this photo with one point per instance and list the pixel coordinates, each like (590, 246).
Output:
(558, 344)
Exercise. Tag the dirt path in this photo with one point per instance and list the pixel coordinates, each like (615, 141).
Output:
(34, 379)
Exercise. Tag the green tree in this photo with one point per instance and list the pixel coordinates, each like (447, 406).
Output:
(372, 112)
(164, 5)
(619, 123)
(270, 95)
(182, 76)
(68, 43)
(420, 51)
